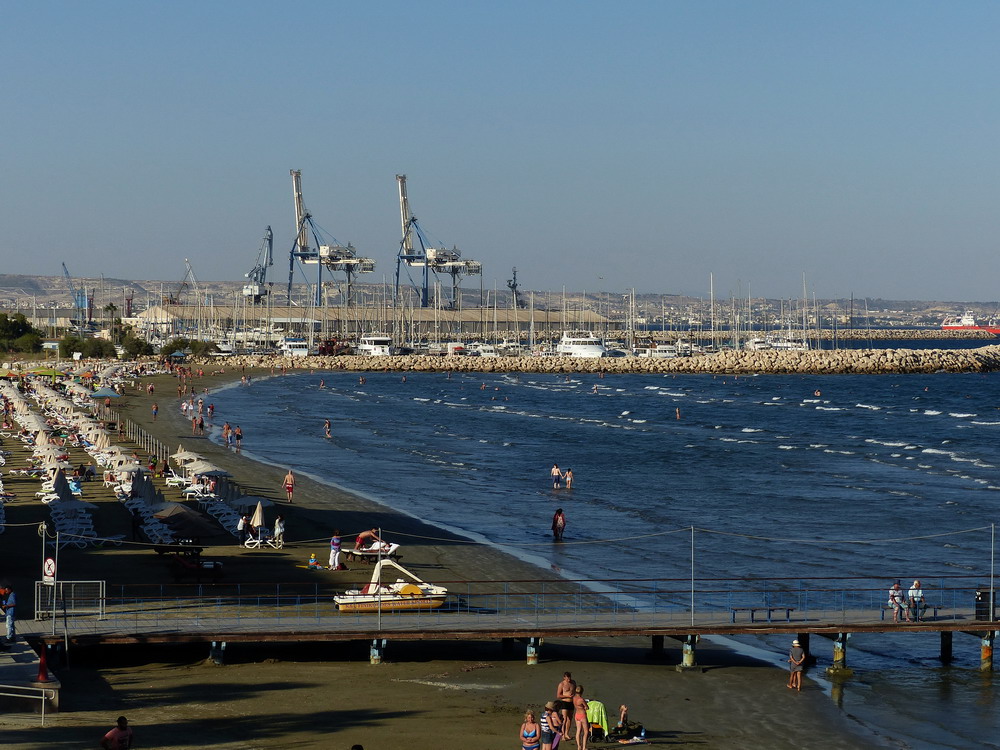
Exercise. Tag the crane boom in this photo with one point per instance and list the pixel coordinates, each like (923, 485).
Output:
(257, 288)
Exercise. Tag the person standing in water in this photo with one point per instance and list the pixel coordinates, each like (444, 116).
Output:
(568, 477)
(558, 524)
(326, 428)
(556, 477)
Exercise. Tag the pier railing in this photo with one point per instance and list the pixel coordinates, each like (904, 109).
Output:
(491, 605)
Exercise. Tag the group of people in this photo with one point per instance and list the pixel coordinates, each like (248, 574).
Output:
(566, 716)
(911, 604)
(559, 476)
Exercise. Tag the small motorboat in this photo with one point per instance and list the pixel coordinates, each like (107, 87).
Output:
(403, 594)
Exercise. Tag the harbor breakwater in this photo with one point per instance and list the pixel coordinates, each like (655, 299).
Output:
(816, 362)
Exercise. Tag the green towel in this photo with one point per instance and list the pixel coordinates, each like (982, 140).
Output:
(597, 715)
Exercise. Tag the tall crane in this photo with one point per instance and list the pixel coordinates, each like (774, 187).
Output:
(328, 253)
(79, 297)
(427, 257)
(257, 288)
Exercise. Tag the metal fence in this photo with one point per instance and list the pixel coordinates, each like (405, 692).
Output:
(486, 605)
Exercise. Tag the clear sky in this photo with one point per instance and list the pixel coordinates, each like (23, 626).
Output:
(597, 146)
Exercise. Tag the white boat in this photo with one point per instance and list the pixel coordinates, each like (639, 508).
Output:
(483, 350)
(580, 344)
(403, 594)
(788, 344)
(375, 345)
(293, 346)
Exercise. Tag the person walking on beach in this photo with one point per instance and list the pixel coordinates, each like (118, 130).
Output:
(227, 434)
(335, 550)
(556, 477)
(120, 737)
(897, 600)
(796, 658)
(155, 409)
(558, 524)
(289, 484)
(238, 437)
(9, 606)
(279, 531)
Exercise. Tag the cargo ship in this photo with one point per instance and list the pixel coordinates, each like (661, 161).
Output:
(967, 322)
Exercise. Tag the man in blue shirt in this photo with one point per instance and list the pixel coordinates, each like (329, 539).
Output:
(8, 606)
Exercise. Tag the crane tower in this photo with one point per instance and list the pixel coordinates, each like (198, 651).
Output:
(328, 254)
(429, 258)
(257, 289)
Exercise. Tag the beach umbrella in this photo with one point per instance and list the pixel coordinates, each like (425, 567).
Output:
(105, 393)
(215, 473)
(258, 515)
(47, 371)
(187, 456)
(202, 467)
(186, 521)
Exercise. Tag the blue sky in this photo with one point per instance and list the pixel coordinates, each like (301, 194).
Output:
(592, 145)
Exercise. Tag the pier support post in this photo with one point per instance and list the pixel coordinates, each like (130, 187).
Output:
(657, 652)
(688, 662)
(839, 667)
(534, 645)
(217, 653)
(378, 648)
(986, 654)
(946, 638)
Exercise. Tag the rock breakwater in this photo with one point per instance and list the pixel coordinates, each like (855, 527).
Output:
(819, 362)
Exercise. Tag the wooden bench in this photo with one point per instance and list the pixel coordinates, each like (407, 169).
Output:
(935, 608)
(754, 610)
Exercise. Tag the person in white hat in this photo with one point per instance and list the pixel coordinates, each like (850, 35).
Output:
(796, 658)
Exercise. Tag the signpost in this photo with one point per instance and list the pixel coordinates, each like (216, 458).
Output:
(49, 572)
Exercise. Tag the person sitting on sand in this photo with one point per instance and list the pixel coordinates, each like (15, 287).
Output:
(366, 539)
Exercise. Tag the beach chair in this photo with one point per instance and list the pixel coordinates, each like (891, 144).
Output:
(385, 550)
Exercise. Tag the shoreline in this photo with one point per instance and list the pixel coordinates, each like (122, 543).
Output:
(422, 691)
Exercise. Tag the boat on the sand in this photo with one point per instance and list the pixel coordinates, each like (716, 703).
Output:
(404, 593)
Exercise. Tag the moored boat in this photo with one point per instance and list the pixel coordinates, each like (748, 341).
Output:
(580, 344)
(386, 597)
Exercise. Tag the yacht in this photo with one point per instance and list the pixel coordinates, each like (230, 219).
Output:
(293, 346)
(375, 345)
(660, 351)
(580, 344)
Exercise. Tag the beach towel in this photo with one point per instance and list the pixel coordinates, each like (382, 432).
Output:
(597, 715)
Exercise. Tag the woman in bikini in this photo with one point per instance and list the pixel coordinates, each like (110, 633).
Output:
(580, 718)
(530, 734)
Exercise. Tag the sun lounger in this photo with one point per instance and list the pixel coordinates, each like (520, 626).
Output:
(374, 552)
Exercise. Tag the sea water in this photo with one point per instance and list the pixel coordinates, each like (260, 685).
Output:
(845, 463)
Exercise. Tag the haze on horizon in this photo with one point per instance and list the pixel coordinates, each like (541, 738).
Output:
(594, 146)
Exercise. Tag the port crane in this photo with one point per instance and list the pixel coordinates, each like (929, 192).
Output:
(327, 253)
(188, 280)
(427, 257)
(257, 289)
(79, 297)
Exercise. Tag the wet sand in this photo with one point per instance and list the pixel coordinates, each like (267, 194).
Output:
(422, 695)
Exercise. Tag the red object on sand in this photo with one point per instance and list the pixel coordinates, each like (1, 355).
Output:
(43, 667)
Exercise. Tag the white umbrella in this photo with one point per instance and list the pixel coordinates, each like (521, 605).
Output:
(258, 516)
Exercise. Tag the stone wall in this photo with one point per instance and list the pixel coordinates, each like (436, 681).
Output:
(843, 361)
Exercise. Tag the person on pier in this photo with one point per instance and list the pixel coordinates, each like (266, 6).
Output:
(915, 597)
(897, 600)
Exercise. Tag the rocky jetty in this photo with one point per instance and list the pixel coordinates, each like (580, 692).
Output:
(818, 362)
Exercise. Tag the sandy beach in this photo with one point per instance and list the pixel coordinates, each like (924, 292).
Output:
(422, 695)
